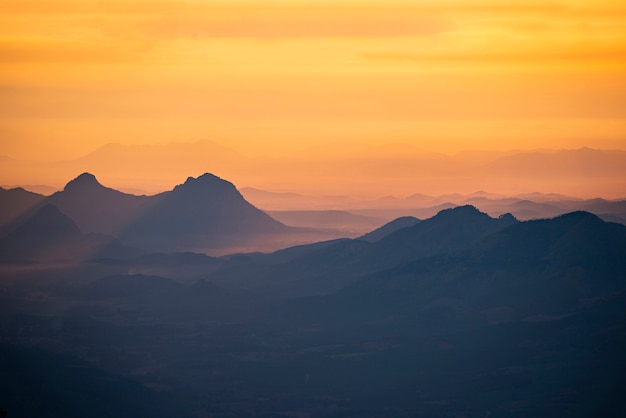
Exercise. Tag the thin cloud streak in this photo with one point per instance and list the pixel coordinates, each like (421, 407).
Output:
(37, 50)
(269, 24)
(617, 55)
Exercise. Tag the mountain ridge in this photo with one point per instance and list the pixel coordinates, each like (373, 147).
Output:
(202, 212)
(50, 235)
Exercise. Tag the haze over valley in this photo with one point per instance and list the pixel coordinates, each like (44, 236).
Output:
(298, 209)
(113, 305)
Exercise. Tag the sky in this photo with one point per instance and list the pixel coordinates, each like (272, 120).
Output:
(273, 78)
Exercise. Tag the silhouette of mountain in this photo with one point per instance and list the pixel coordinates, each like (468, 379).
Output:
(50, 235)
(603, 206)
(541, 267)
(48, 223)
(579, 239)
(389, 228)
(157, 166)
(527, 209)
(41, 189)
(619, 218)
(96, 208)
(510, 319)
(324, 269)
(15, 202)
(206, 212)
(449, 230)
(545, 197)
(203, 212)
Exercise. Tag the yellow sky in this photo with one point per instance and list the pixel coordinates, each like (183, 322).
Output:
(266, 77)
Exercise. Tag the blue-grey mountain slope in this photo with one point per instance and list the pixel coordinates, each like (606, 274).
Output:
(49, 235)
(389, 228)
(96, 208)
(204, 212)
(323, 269)
(14, 202)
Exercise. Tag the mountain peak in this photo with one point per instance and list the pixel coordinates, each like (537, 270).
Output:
(49, 221)
(204, 178)
(507, 217)
(579, 216)
(461, 212)
(205, 182)
(85, 180)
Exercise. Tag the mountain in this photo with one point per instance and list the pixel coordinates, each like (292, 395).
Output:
(324, 269)
(461, 314)
(449, 230)
(15, 202)
(389, 228)
(41, 189)
(96, 208)
(157, 166)
(527, 321)
(542, 267)
(602, 206)
(50, 235)
(204, 212)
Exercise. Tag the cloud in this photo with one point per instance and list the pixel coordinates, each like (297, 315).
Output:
(294, 19)
(34, 50)
(293, 23)
(599, 54)
(255, 19)
(91, 7)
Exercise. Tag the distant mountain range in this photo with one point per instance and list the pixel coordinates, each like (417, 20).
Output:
(330, 267)
(331, 169)
(205, 212)
(209, 214)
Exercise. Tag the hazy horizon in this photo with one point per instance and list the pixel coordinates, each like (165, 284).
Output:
(295, 87)
(347, 169)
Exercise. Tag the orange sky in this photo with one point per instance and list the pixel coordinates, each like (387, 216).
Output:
(276, 77)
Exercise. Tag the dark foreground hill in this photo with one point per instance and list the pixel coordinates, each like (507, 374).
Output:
(389, 228)
(458, 315)
(534, 268)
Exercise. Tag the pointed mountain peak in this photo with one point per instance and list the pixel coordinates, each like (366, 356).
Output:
(49, 211)
(85, 180)
(206, 182)
(205, 178)
(49, 219)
